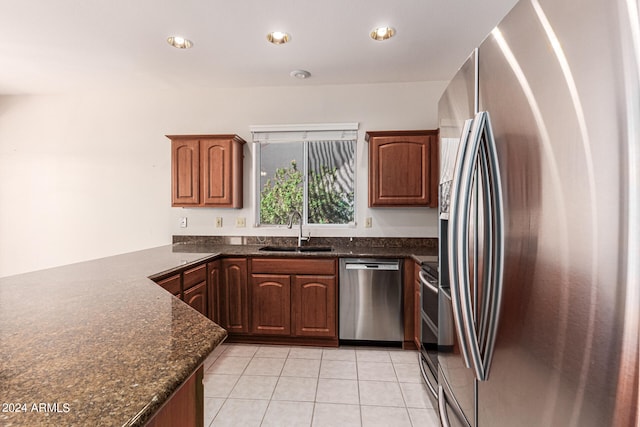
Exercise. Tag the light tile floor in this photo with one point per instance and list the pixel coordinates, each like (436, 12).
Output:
(261, 385)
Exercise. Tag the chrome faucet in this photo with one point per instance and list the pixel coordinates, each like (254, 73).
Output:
(290, 224)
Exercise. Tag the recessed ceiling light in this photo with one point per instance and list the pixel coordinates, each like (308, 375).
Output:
(382, 33)
(278, 37)
(300, 74)
(179, 42)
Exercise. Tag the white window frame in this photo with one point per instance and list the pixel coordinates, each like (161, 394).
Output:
(301, 133)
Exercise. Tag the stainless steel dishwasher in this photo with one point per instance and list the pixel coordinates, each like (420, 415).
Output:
(371, 300)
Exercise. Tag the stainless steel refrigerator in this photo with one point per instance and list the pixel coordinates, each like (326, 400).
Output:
(540, 220)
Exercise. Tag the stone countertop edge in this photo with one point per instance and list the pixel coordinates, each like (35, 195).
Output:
(97, 342)
(210, 252)
(229, 250)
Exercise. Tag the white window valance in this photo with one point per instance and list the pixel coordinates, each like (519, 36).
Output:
(305, 132)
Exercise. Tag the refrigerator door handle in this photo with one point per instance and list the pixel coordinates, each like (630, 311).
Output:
(461, 229)
(480, 166)
(455, 242)
(488, 238)
(496, 249)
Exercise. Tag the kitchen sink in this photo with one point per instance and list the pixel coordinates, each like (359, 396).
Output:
(296, 249)
(315, 249)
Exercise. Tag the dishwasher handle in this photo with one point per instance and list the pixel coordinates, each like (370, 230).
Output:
(388, 266)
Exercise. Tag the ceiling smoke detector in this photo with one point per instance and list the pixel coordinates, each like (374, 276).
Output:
(179, 42)
(382, 33)
(300, 74)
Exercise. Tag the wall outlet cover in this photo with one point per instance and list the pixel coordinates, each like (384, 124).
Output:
(183, 222)
(241, 222)
(218, 221)
(367, 222)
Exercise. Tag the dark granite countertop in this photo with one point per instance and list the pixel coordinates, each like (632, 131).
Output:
(97, 341)
(336, 251)
(101, 344)
(419, 249)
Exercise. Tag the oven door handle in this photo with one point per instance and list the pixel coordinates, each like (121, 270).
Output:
(425, 281)
(433, 391)
(442, 403)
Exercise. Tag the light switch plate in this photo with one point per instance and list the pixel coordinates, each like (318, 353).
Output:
(241, 222)
(183, 222)
(367, 222)
(218, 221)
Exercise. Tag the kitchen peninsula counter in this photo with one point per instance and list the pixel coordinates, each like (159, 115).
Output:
(98, 343)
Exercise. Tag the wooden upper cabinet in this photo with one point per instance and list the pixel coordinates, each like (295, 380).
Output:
(403, 168)
(185, 170)
(206, 170)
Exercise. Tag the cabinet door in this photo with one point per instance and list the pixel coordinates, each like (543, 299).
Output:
(185, 172)
(232, 290)
(216, 162)
(196, 297)
(271, 304)
(194, 285)
(314, 306)
(403, 169)
(172, 284)
(213, 280)
(185, 407)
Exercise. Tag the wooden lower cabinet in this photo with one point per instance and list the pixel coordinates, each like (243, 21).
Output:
(285, 300)
(213, 279)
(314, 306)
(293, 300)
(196, 297)
(191, 286)
(185, 407)
(195, 286)
(271, 304)
(172, 284)
(411, 305)
(233, 301)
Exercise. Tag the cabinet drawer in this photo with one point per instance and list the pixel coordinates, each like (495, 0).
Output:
(171, 284)
(293, 266)
(194, 276)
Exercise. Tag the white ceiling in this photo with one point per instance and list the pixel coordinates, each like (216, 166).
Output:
(49, 46)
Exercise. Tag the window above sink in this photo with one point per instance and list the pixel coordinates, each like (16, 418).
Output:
(307, 168)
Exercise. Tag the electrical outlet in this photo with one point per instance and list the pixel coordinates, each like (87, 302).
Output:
(218, 221)
(183, 222)
(241, 222)
(367, 222)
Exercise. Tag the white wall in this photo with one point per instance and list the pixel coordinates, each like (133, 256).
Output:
(88, 175)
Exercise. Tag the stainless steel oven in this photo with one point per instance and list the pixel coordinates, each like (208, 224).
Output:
(429, 327)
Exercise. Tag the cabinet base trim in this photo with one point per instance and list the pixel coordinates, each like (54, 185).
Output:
(320, 342)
